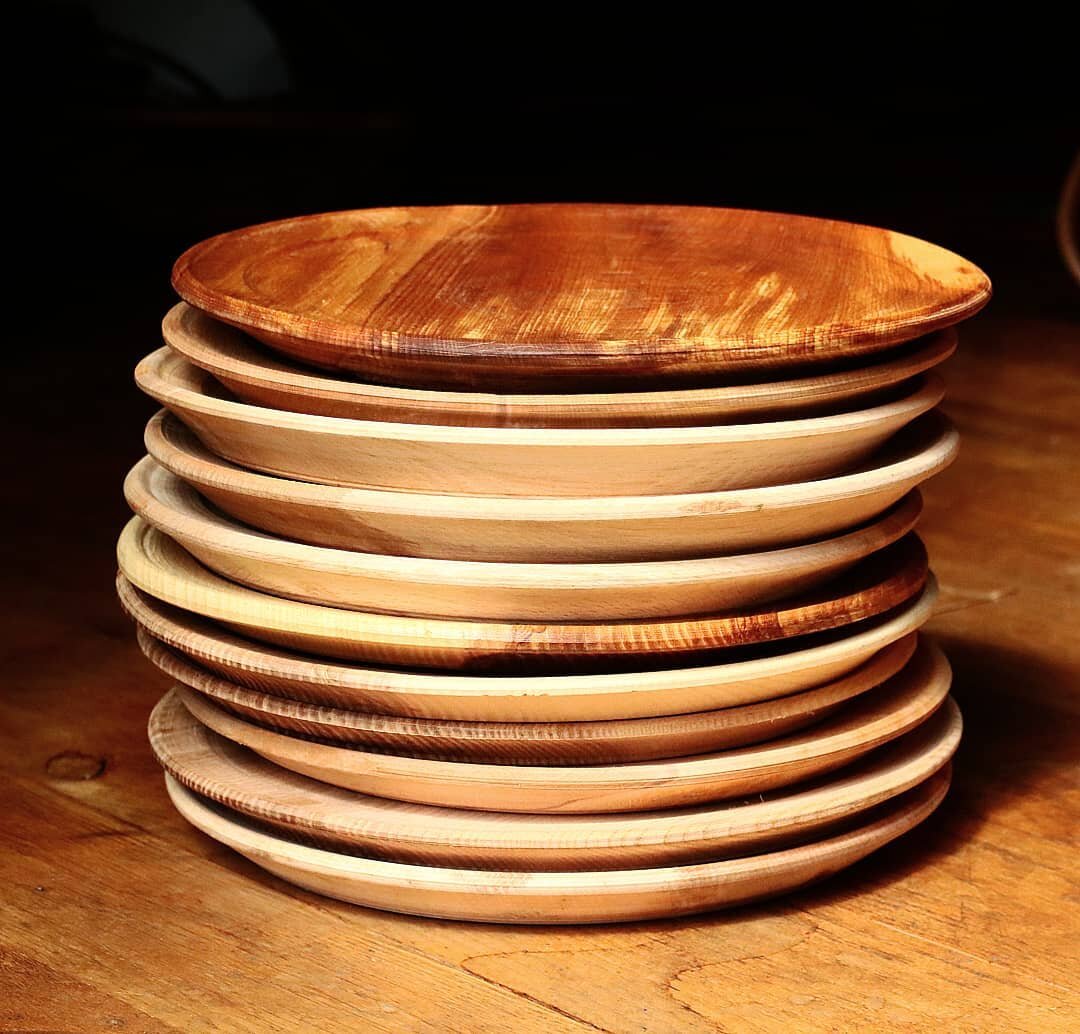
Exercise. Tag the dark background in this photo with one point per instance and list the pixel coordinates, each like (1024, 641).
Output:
(155, 124)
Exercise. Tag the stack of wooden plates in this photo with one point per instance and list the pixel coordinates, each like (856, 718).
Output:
(548, 563)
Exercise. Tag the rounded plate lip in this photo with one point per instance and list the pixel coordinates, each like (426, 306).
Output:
(177, 448)
(882, 666)
(876, 717)
(172, 380)
(879, 776)
(196, 336)
(214, 644)
(916, 691)
(146, 555)
(841, 336)
(186, 514)
(479, 894)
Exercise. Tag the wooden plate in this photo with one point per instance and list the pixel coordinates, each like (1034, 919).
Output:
(509, 461)
(536, 743)
(534, 530)
(558, 897)
(545, 294)
(769, 672)
(258, 376)
(874, 718)
(340, 819)
(158, 565)
(495, 591)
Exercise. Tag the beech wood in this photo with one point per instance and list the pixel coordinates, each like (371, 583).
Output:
(537, 530)
(538, 743)
(586, 897)
(497, 591)
(338, 819)
(774, 671)
(874, 718)
(158, 565)
(256, 375)
(516, 461)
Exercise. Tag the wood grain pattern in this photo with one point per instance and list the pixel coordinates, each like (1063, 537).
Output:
(255, 375)
(516, 897)
(526, 294)
(962, 925)
(770, 672)
(301, 808)
(574, 530)
(508, 461)
(560, 592)
(875, 717)
(537, 743)
(162, 568)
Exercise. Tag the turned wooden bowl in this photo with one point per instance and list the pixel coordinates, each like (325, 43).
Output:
(558, 897)
(535, 530)
(258, 376)
(158, 565)
(497, 591)
(521, 296)
(535, 743)
(765, 673)
(871, 719)
(338, 819)
(507, 461)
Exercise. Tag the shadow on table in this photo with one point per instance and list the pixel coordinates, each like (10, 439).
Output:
(1017, 744)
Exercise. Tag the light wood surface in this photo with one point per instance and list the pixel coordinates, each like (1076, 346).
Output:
(256, 375)
(515, 461)
(156, 564)
(498, 591)
(551, 897)
(115, 911)
(585, 743)
(873, 718)
(302, 808)
(536, 530)
(523, 294)
(769, 672)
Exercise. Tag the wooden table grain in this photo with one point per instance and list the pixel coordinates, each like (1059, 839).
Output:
(118, 916)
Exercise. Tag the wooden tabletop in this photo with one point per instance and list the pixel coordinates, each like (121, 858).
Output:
(116, 915)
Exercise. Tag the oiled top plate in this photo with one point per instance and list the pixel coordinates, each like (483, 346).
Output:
(538, 294)
(238, 778)
(873, 718)
(158, 565)
(558, 897)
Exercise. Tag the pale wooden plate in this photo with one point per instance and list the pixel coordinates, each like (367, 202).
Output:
(537, 743)
(473, 590)
(874, 718)
(536, 530)
(340, 819)
(256, 375)
(778, 670)
(528, 295)
(558, 897)
(515, 461)
(158, 565)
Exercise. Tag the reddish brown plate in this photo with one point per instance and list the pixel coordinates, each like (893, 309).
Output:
(531, 295)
